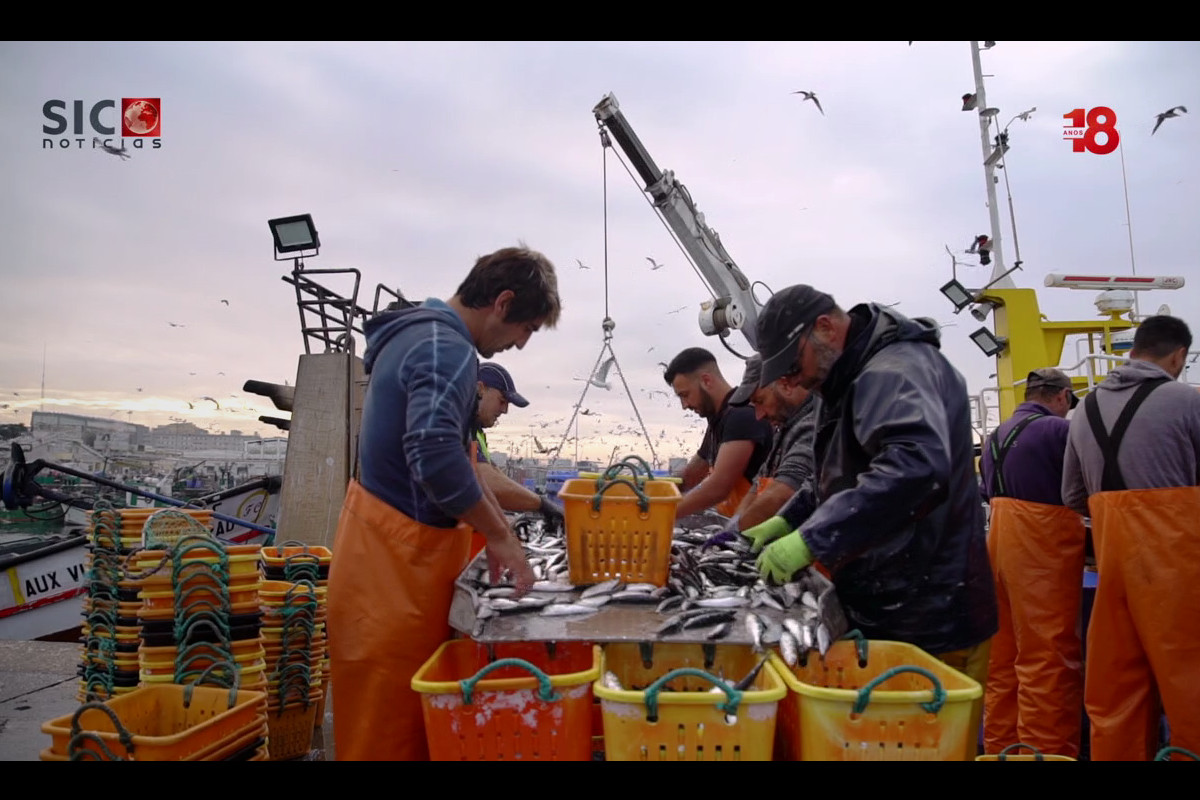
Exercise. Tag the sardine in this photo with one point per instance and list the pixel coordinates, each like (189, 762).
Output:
(794, 628)
(633, 597)
(500, 591)
(669, 603)
(808, 638)
(567, 609)
(823, 641)
(708, 618)
(730, 601)
(607, 587)
(755, 629)
(611, 681)
(551, 586)
(809, 599)
(641, 587)
(719, 631)
(595, 601)
(789, 648)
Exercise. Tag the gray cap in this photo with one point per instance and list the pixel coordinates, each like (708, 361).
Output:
(1052, 378)
(742, 394)
(782, 322)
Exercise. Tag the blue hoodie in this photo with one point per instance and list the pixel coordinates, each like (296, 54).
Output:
(419, 405)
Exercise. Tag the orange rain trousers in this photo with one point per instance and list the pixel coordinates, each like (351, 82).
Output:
(390, 586)
(1034, 692)
(1144, 636)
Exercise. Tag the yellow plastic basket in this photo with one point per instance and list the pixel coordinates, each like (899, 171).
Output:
(897, 704)
(1035, 755)
(667, 710)
(619, 528)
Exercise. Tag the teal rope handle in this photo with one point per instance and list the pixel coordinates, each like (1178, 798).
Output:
(137, 576)
(545, 690)
(216, 597)
(730, 706)
(933, 706)
(308, 596)
(860, 645)
(183, 628)
(610, 474)
(1003, 754)
(232, 679)
(78, 753)
(1165, 754)
(183, 572)
(630, 459)
(123, 735)
(643, 501)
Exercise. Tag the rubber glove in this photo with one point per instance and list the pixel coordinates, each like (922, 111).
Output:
(552, 512)
(724, 535)
(784, 558)
(766, 532)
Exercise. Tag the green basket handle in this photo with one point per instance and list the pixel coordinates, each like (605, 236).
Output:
(201, 569)
(1165, 754)
(215, 597)
(309, 595)
(137, 576)
(643, 501)
(730, 706)
(183, 628)
(233, 679)
(860, 645)
(636, 459)
(123, 735)
(545, 690)
(1003, 754)
(193, 541)
(933, 706)
(614, 470)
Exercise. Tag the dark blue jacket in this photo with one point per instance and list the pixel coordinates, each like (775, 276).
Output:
(417, 413)
(897, 516)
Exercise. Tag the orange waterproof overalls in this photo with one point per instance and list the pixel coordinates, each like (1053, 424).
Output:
(390, 586)
(729, 506)
(1144, 635)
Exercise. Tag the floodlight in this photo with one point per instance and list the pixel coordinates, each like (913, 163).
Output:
(295, 234)
(986, 341)
(957, 294)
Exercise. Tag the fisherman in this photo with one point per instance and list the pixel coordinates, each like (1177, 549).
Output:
(735, 443)
(1132, 460)
(789, 464)
(403, 537)
(496, 392)
(1035, 675)
(894, 512)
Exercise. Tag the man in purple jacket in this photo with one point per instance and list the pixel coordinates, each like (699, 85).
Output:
(1034, 691)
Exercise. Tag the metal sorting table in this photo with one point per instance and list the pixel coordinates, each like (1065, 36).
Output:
(612, 622)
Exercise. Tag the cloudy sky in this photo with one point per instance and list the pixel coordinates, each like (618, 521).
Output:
(414, 159)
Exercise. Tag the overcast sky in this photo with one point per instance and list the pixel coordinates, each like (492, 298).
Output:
(414, 159)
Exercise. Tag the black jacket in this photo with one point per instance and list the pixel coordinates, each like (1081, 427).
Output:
(897, 516)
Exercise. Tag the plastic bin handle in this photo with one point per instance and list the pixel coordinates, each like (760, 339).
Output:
(78, 753)
(730, 706)
(545, 691)
(860, 645)
(933, 706)
(643, 501)
(232, 679)
(125, 737)
(1003, 754)
(1165, 754)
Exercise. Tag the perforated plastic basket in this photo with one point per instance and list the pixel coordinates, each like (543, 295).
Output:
(532, 703)
(897, 704)
(667, 711)
(619, 528)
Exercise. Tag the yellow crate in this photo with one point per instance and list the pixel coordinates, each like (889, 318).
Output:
(619, 531)
(1036, 755)
(899, 704)
(691, 723)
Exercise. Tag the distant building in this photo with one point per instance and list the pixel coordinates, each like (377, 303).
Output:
(99, 433)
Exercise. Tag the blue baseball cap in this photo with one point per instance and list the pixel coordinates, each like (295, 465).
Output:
(497, 377)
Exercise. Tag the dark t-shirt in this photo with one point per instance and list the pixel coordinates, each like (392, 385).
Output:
(737, 424)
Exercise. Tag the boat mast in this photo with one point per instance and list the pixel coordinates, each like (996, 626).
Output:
(989, 171)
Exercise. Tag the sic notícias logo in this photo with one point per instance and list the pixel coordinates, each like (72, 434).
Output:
(138, 117)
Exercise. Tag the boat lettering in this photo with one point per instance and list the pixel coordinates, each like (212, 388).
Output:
(76, 572)
(41, 584)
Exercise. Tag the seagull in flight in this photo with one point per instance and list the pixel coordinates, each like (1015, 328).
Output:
(676, 311)
(581, 264)
(177, 325)
(587, 412)
(1024, 115)
(600, 378)
(121, 151)
(226, 302)
(654, 264)
(812, 96)
(1168, 114)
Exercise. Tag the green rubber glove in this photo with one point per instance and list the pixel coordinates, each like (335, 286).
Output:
(784, 558)
(764, 533)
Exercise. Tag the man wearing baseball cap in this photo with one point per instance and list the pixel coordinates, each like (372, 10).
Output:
(894, 511)
(1035, 676)
(497, 392)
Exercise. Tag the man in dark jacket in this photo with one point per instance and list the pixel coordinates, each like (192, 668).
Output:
(895, 513)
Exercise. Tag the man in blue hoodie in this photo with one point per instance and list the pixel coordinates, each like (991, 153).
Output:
(404, 531)
(894, 511)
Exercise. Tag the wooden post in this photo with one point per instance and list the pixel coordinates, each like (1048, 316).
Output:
(322, 442)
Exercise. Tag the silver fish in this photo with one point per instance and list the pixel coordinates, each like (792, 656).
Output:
(529, 601)
(807, 637)
(719, 631)
(729, 601)
(595, 601)
(641, 587)
(809, 599)
(669, 603)
(823, 641)
(789, 648)
(567, 609)
(794, 628)
(500, 591)
(755, 629)
(607, 587)
(552, 586)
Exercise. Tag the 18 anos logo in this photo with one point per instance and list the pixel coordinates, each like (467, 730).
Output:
(79, 125)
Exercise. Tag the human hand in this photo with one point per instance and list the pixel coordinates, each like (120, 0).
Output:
(784, 558)
(722, 536)
(508, 554)
(766, 532)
